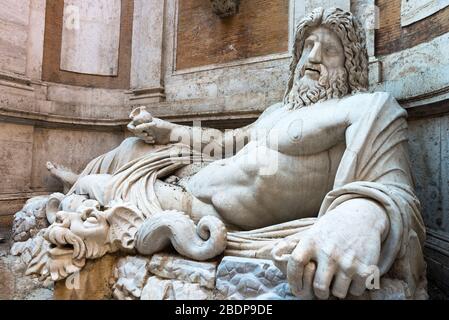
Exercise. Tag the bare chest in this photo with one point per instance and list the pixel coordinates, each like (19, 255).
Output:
(304, 131)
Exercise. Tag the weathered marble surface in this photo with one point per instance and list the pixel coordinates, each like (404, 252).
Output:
(175, 267)
(148, 27)
(244, 278)
(329, 150)
(163, 289)
(91, 36)
(30, 220)
(14, 285)
(131, 274)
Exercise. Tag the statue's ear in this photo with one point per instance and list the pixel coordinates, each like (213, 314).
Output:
(124, 221)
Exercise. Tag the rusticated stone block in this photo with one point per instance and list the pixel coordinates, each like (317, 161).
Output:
(161, 289)
(175, 267)
(244, 278)
(131, 274)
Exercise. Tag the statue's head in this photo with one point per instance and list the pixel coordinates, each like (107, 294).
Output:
(84, 234)
(329, 58)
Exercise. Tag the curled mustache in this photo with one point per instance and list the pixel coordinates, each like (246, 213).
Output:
(324, 73)
(306, 91)
(61, 236)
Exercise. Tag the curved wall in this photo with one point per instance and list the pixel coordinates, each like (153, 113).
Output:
(226, 81)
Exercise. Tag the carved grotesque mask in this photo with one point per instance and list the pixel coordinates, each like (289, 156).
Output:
(87, 233)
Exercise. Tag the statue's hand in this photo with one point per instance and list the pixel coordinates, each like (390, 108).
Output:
(151, 130)
(338, 253)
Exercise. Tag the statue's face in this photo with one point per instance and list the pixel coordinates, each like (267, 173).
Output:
(320, 74)
(87, 233)
(322, 48)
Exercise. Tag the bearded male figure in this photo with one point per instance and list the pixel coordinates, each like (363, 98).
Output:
(336, 199)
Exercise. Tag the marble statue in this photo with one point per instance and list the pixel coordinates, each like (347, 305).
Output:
(320, 183)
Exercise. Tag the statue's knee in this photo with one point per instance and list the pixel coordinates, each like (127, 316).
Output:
(95, 181)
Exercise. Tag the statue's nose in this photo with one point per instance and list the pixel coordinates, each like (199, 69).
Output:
(62, 219)
(315, 54)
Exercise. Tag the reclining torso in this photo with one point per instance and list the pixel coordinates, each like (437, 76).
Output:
(282, 179)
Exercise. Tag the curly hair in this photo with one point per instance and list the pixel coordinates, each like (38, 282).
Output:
(352, 36)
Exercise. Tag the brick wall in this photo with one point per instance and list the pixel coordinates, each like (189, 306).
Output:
(391, 37)
(260, 28)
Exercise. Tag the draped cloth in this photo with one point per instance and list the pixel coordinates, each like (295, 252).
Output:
(374, 166)
(123, 178)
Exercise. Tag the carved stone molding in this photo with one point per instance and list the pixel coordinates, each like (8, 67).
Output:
(225, 8)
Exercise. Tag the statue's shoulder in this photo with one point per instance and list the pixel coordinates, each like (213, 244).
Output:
(371, 100)
(373, 104)
(373, 97)
(272, 109)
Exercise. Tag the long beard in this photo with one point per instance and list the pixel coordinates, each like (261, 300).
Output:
(306, 91)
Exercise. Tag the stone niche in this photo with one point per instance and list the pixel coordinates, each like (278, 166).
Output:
(91, 36)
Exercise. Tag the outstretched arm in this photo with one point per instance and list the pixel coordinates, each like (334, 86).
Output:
(207, 140)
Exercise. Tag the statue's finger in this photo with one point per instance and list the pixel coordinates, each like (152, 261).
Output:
(294, 276)
(281, 254)
(150, 141)
(324, 274)
(348, 265)
(358, 286)
(307, 288)
(145, 126)
(341, 285)
(131, 126)
(295, 266)
(364, 270)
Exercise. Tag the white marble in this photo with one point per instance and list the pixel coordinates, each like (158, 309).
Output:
(91, 36)
(131, 274)
(35, 49)
(244, 278)
(175, 267)
(146, 61)
(31, 219)
(320, 184)
(159, 289)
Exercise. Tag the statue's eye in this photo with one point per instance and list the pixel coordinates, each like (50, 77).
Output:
(331, 50)
(59, 217)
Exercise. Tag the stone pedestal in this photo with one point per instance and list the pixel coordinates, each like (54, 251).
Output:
(242, 278)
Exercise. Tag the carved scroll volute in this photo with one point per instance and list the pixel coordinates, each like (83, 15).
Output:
(225, 8)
